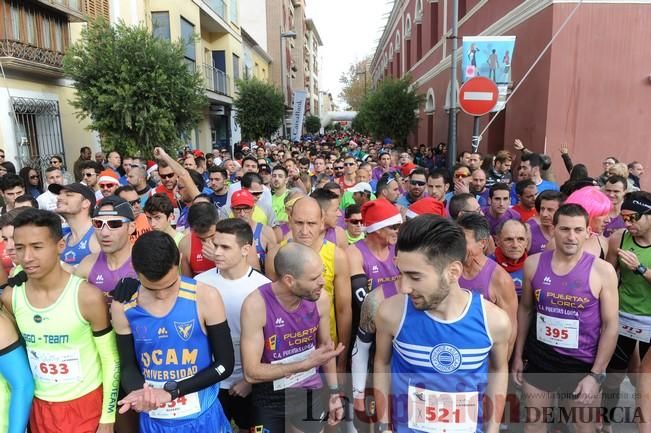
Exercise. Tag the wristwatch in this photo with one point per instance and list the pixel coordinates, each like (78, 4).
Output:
(173, 388)
(640, 270)
(599, 377)
(382, 427)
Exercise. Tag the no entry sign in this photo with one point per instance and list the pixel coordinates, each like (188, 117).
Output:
(478, 96)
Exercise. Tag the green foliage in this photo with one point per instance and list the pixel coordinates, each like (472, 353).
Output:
(259, 107)
(388, 111)
(136, 89)
(312, 124)
(355, 83)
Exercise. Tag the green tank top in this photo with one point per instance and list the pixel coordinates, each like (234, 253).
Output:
(60, 347)
(634, 289)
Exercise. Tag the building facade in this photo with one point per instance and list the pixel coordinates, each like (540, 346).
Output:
(37, 121)
(311, 67)
(590, 90)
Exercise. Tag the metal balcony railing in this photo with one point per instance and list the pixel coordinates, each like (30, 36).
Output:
(219, 6)
(217, 80)
(31, 53)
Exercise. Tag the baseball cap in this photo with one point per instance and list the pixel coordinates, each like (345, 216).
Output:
(361, 187)
(120, 208)
(242, 197)
(77, 187)
(407, 168)
(264, 167)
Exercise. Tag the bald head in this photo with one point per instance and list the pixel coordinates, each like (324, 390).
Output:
(292, 258)
(307, 207)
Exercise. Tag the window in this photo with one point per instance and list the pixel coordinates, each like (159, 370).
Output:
(233, 10)
(236, 67)
(187, 35)
(47, 41)
(15, 22)
(31, 28)
(160, 22)
(58, 37)
(419, 10)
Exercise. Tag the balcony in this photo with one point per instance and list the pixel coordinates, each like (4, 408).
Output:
(73, 9)
(218, 6)
(29, 58)
(217, 81)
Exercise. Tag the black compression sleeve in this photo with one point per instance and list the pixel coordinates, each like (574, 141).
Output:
(359, 284)
(221, 344)
(131, 378)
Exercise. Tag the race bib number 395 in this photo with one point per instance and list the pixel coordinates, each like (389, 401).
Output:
(442, 412)
(557, 332)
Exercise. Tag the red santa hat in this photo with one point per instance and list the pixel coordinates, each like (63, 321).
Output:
(378, 214)
(426, 205)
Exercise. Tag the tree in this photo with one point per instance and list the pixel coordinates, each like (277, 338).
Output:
(260, 108)
(356, 81)
(135, 88)
(312, 124)
(388, 111)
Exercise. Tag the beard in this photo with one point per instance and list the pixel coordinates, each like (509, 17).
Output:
(432, 300)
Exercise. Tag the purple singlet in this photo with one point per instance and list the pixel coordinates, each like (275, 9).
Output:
(288, 336)
(383, 273)
(538, 239)
(493, 222)
(331, 235)
(482, 282)
(284, 228)
(104, 278)
(568, 317)
(614, 225)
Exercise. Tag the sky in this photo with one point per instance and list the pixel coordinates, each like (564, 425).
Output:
(349, 30)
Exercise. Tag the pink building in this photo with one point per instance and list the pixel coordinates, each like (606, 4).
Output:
(591, 90)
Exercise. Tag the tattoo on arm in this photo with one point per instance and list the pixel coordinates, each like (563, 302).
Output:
(369, 309)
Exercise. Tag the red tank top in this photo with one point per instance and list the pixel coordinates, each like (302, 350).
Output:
(198, 263)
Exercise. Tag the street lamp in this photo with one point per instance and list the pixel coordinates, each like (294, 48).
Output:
(284, 35)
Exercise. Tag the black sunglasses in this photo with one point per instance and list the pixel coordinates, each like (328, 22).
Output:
(166, 176)
(417, 182)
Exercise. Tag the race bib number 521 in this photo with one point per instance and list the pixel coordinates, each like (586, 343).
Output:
(442, 412)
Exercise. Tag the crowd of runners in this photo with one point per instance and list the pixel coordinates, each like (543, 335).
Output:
(336, 283)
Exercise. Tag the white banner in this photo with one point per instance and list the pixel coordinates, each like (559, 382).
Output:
(297, 114)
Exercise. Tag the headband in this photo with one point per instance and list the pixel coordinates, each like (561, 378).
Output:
(638, 205)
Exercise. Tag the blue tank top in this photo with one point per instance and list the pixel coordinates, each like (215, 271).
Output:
(439, 370)
(173, 347)
(74, 254)
(257, 241)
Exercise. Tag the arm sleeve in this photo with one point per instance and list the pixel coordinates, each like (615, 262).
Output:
(108, 357)
(359, 362)
(14, 368)
(359, 284)
(219, 336)
(567, 160)
(132, 378)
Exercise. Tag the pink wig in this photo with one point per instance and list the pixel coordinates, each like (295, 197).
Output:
(595, 202)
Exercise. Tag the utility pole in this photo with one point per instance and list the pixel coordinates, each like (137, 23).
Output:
(452, 122)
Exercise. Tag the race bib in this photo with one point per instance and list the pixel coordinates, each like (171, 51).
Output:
(55, 367)
(288, 382)
(634, 329)
(179, 408)
(442, 412)
(557, 332)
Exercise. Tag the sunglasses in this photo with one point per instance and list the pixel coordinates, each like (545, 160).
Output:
(54, 161)
(355, 222)
(461, 176)
(349, 164)
(417, 183)
(106, 185)
(34, 177)
(89, 174)
(241, 209)
(134, 202)
(338, 168)
(394, 227)
(633, 217)
(166, 176)
(256, 193)
(111, 224)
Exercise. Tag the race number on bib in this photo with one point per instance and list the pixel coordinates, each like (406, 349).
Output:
(442, 412)
(557, 332)
(55, 367)
(287, 382)
(181, 407)
(634, 329)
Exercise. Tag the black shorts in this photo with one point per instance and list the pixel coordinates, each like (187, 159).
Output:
(551, 371)
(305, 410)
(623, 351)
(236, 408)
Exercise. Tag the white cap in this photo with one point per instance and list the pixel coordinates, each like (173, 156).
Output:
(361, 187)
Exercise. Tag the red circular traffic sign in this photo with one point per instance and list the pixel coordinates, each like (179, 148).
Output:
(478, 96)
